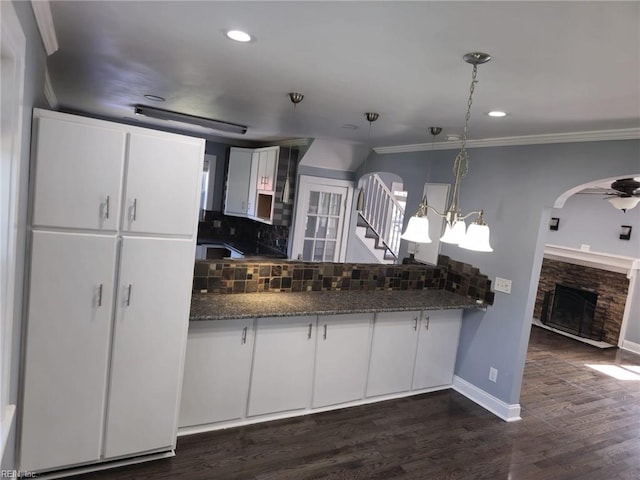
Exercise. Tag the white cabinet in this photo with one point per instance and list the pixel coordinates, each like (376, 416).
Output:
(282, 371)
(216, 373)
(78, 175)
(67, 350)
(107, 311)
(238, 181)
(266, 161)
(393, 352)
(152, 303)
(437, 348)
(152, 203)
(251, 183)
(342, 357)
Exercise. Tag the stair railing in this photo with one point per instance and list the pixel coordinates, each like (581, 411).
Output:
(382, 212)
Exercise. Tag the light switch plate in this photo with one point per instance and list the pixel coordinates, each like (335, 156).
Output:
(502, 285)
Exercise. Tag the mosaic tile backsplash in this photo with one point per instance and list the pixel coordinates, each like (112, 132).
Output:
(247, 276)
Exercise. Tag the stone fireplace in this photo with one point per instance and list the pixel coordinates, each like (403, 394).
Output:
(584, 293)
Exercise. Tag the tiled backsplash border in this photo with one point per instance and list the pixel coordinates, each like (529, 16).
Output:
(254, 276)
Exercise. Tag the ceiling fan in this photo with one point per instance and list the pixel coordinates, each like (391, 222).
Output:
(626, 193)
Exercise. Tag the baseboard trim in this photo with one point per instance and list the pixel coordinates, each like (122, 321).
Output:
(631, 346)
(508, 413)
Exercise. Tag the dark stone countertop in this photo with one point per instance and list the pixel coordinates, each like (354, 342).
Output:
(211, 306)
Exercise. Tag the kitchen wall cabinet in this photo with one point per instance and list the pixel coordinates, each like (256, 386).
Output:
(107, 309)
(251, 183)
(393, 352)
(238, 181)
(67, 350)
(152, 302)
(216, 375)
(437, 348)
(160, 178)
(342, 357)
(282, 372)
(78, 175)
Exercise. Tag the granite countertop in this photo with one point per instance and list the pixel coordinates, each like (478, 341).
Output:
(211, 306)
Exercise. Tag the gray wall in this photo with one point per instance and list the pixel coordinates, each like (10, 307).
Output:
(33, 97)
(517, 187)
(590, 220)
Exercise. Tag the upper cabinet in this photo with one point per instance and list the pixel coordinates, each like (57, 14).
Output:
(255, 183)
(78, 184)
(85, 165)
(166, 210)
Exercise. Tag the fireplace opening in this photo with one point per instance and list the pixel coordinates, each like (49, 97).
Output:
(572, 310)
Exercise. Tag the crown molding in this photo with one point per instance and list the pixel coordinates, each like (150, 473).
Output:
(49, 93)
(594, 136)
(42, 12)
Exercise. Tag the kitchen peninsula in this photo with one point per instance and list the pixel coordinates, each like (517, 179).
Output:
(275, 339)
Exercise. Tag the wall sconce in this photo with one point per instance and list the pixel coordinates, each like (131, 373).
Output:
(553, 223)
(625, 232)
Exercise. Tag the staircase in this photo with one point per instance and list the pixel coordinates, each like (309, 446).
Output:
(380, 221)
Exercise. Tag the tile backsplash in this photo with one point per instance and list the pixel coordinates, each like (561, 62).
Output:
(247, 276)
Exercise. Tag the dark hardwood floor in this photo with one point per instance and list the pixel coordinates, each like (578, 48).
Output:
(577, 423)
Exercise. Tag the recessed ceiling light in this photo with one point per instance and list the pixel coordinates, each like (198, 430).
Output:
(497, 113)
(238, 36)
(155, 98)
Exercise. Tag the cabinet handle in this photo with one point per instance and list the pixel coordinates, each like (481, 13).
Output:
(427, 325)
(415, 323)
(324, 335)
(100, 295)
(106, 208)
(128, 300)
(134, 210)
(309, 333)
(244, 335)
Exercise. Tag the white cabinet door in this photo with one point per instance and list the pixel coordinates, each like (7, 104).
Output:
(78, 175)
(342, 357)
(67, 348)
(267, 168)
(216, 373)
(163, 182)
(393, 352)
(238, 180)
(152, 313)
(282, 365)
(437, 348)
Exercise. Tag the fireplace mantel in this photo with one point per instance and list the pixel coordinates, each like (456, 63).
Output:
(603, 261)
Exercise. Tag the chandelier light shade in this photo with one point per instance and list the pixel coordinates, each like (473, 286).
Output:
(418, 227)
(455, 233)
(476, 237)
(624, 203)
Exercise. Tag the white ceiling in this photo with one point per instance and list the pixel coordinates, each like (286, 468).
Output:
(557, 67)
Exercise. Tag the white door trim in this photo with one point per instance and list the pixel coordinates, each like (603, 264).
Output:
(12, 52)
(304, 184)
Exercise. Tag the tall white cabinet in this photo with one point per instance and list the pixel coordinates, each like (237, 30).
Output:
(114, 222)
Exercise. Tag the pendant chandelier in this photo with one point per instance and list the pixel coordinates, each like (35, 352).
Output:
(476, 237)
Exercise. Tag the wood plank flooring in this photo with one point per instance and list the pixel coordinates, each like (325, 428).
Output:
(578, 423)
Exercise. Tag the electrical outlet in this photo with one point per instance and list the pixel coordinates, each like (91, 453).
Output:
(493, 374)
(584, 247)
(217, 224)
(502, 285)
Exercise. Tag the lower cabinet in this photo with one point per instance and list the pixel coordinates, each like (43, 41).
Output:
(217, 368)
(437, 348)
(393, 353)
(242, 370)
(342, 358)
(282, 373)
